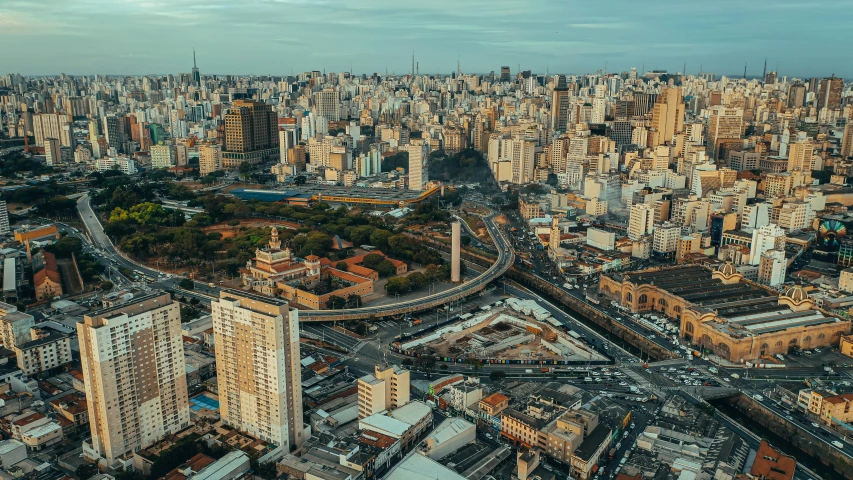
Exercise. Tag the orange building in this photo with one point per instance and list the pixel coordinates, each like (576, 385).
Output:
(46, 276)
(25, 236)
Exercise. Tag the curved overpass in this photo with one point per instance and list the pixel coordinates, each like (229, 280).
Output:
(506, 257)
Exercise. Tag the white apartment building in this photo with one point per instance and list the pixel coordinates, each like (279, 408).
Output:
(4, 218)
(795, 215)
(209, 159)
(641, 221)
(125, 165)
(257, 367)
(765, 238)
(162, 156)
(135, 377)
(666, 238)
(771, 268)
(388, 388)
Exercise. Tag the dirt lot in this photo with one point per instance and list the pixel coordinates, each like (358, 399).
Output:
(229, 231)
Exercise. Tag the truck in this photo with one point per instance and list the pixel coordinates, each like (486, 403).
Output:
(417, 321)
(634, 388)
(735, 376)
(528, 371)
(611, 453)
(713, 370)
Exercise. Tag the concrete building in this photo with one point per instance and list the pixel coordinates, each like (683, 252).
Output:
(724, 123)
(52, 152)
(163, 156)
(4, 218)
(251, 133)
(448, 437)
(327, 104)
(133, 368)
(209, 158)
(455, 252)
(845, 281)
(388, 388)
(771, 268)
(768, 237)
(710, 309)
(418, 171)
(642, 221)
(260, 393)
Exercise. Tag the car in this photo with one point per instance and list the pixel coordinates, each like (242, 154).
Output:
(489, 436)
(837, 444)
(815, 425)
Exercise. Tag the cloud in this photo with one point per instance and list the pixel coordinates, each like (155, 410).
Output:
(310, 34)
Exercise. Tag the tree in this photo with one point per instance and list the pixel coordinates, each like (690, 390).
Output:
(497, 375)
(299, 180)
(475, 363)
(386, 268)
(417, 280)
(360, 328)
(397, 285)
(106, 285)
(425, 363)
(407, 362)
(372, 260)
(335, 302)
(344, 266)
(186, 284)
(86, 471)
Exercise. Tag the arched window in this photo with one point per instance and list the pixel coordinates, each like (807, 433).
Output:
(779, 343)
(723, 348)
(764, 348)
(793, 341)
(676, 309)
(821, 336)
(662, 302)
(689, 327)
(628, 297)
(643, 299)
(837, 334)
(807, 339)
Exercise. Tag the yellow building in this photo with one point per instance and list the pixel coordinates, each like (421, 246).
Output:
(846, 345)
(837, 408)
(722, 313)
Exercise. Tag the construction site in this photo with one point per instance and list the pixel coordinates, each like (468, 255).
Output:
(515, 331)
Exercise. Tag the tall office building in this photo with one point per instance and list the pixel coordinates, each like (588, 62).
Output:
(163, 156)
(505, 74)
(114, 131)
(560, 105)
(209, 158)
(829, 95)
(418, 171)
(251, 133)
(388, 388)
(668, 115)
(257, 367)
(327, 103)
(4, 218)
(800, 156)
(195, 74)
(724, 123)
(796, 95)
(847, 141)
(135, 377)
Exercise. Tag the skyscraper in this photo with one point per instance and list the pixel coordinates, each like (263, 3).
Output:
(847, 141)
(114, 131)
(796, 95)
(196, 76)
(560, 105)
(505, 74)
(135, 377)
(4, 218)
(257, 365)
(765, 238)
(418, 172)
(251, 133)
(668, 115)
(455, 250)
(829, 95)
(327, 103)
(724, 123)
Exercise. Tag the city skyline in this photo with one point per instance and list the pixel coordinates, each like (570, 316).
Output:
(55, 37)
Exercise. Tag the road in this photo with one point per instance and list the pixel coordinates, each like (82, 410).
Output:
(506, 257)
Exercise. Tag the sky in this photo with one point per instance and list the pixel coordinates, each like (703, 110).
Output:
(804, 38)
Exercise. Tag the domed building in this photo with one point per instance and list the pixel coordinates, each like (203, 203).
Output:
(796, 298)
(717, 311)
(727, 273)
